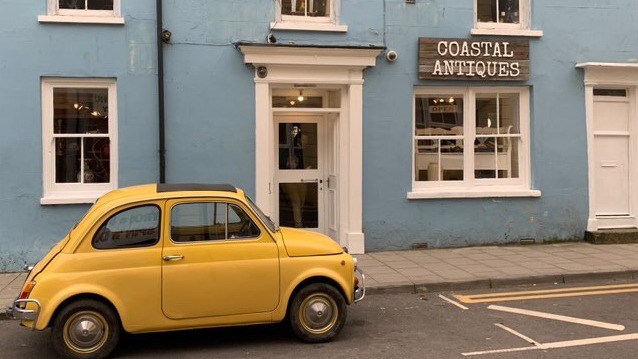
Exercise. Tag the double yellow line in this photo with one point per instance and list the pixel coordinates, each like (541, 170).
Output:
(544, 294)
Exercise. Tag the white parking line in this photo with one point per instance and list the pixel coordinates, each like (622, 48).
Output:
(563, 318)
(453, 302)
(524, 337)
(563, 344)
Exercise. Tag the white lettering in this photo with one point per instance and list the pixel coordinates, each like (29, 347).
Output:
(437, 68)
(515, 69)
(505, 49)
(441, 48)
(480, 68)
(453, 48)
(503, 69)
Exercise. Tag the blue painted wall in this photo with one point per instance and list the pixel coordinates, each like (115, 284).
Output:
(30, 50)
(210, 110)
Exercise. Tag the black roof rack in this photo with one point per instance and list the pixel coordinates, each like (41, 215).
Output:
(174, 187)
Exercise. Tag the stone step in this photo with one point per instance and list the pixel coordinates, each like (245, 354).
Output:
(612, 236)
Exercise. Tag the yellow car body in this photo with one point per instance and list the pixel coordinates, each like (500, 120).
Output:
(174, 276)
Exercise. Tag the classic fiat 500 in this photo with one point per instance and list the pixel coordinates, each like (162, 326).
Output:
(169, 257)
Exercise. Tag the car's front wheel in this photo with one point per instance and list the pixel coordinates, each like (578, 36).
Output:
(318, 313)
(86, 329)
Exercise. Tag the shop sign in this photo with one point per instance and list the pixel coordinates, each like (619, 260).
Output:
(473, 60)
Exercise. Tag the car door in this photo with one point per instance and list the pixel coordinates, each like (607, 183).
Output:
(216, 260)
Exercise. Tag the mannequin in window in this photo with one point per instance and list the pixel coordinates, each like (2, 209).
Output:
(296, 192)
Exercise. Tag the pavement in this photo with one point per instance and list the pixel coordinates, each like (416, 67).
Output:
(434, 270)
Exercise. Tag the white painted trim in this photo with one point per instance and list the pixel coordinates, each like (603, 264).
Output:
(523, 28)
(81, 19)
(323, 67)
(66, 193)
(473, 187)
(606, 75)
(57, 15)
(507, 32)
(308, 26)
(476, 193)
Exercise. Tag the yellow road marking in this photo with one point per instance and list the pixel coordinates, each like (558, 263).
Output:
(550, 293)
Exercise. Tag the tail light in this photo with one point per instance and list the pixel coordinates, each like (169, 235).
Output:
(27, 290)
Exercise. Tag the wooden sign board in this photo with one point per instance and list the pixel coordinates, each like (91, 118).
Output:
(473, 60)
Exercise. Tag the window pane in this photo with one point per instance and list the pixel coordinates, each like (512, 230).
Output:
(96, 160)
(497, 135)
(134, 227)
(441, 111)
(77, 110)
(305, 7)
(72, 4)
(439, 160)
(100, 4)
(298, 146)
(293, 101)
(239, 224)
(67, 160)
(507, 10)
(194, 222)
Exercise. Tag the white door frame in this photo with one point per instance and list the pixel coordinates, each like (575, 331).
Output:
(340, 67)
(615, 76)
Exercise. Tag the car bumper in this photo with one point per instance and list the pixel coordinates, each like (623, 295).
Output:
(360, 288)
(19, 311)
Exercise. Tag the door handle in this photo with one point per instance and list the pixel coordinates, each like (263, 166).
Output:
(176, 257)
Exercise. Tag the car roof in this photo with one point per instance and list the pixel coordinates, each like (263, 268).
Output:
(165, 190)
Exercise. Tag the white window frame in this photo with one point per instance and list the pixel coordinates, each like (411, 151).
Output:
(523, 28)
(68, 193)
(309, 23)
(55, 14)
(471, 187)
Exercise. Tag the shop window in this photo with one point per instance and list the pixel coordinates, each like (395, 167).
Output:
(79, 133)
(470, 139)
(312, 15)
(503, 17)
(79, 11)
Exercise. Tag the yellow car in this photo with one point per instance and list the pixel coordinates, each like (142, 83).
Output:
(181, 256)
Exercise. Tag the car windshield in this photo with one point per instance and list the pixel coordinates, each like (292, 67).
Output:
(264, 218)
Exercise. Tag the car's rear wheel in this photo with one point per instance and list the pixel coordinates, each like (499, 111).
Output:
(318, 313)
(86, 329)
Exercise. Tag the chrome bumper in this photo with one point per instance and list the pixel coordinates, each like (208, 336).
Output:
(360, 290)
(18, 311)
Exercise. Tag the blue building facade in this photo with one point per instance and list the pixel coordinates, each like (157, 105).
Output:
(386, 124)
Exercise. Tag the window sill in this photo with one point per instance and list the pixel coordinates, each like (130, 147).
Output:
(81, 19)
(472, 193)
(507, 32)
(308, 26)
(87, 197)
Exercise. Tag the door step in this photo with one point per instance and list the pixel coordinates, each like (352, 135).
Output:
(612, 236)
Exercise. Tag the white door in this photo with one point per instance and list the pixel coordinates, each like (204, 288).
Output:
(611, 156)
(300, 171)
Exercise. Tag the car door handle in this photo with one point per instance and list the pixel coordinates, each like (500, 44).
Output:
(176, 257)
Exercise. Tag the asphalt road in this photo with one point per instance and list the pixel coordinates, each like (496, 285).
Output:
(407, 326)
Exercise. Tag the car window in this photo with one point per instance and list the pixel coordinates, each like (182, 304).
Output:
(132, 227)
(210, 221)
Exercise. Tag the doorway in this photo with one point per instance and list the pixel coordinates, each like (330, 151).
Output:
(286, 71)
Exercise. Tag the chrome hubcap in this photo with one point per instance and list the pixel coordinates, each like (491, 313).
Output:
(85, 332)
(319, 313)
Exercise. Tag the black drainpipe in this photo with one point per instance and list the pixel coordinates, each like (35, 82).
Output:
(160, 93)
